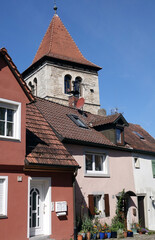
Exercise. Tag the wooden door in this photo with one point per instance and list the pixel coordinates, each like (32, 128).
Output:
(141, 213)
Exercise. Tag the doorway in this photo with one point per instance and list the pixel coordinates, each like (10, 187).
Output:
(39, 214)
(141, 213)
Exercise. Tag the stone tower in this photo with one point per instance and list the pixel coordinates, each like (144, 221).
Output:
(59, 70)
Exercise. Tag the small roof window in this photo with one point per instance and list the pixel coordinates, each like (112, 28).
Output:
(77, 120)
(138, 134)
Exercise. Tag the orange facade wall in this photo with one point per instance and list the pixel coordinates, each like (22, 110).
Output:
(12, 152)
(14, 227)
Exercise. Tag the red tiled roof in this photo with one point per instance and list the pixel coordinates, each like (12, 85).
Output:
(59, 44)
(134, 141)
(43, 147)
(56, 115)
(13, 68)
(102, 120)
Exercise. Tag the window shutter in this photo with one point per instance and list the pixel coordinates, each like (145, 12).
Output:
(153, 168)
(107, 206)
(91, 204)
(1, 196)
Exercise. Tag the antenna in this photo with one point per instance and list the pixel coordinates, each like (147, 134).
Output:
(80, 103)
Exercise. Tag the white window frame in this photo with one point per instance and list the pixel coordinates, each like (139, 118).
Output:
(93, 172)
(136, 162)
(17, 117)
(5, 196)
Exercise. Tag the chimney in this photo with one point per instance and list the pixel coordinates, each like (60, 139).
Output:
(72, 101)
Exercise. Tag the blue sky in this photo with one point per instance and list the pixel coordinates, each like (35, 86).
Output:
(118, 35)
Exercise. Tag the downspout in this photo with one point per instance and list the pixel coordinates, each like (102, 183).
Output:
(74, 204)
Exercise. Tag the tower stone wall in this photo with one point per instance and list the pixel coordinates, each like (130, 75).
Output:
(50, 84)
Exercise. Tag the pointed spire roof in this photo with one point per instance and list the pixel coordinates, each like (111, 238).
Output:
(58, 43)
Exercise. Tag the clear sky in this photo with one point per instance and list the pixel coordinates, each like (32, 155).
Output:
(118, 35)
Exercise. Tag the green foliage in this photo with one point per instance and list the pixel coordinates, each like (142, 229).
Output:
(118, 222)
(87, 224)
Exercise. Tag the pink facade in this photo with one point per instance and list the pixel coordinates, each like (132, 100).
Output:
(119, 176)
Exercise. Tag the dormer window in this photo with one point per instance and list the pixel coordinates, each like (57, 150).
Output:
(67, 84)
(77, 121)
(119, 136)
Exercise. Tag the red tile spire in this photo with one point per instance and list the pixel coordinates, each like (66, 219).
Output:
(59, 44)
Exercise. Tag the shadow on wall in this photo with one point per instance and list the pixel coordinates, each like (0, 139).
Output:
(81, 205)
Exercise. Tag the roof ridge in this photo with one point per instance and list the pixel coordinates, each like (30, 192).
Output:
(52, 23)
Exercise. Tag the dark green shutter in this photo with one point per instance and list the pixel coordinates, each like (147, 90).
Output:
(153, 168)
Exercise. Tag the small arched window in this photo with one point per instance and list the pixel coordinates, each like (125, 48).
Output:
(77, 86)
(32, 87)
(67, 84)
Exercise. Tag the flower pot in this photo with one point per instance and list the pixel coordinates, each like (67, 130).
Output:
(88, 235)
(129, 234)
(113, 234)
(94, 236)
(125, 234)
(83, 235)
(80, 237)
(102, 235)
(108, 234)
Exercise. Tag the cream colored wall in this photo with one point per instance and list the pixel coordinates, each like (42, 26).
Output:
(145, 186)
(120, 177)
(50, 80)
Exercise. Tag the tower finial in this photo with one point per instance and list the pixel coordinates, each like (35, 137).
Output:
(55, 7)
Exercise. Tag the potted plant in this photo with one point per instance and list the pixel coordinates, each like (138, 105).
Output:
(129, 233)
(102, 232)
(87, 226)
(79, 236)
(134, 227)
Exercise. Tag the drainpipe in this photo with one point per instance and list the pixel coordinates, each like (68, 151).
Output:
(74, 204)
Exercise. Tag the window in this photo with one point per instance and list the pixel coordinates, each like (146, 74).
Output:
(119, 136)
(138, 134)
(67, 84)
(99, 204)
(10, 119)
(96, 163)
(77, 86)
(136, 162)
(3, 195)
(153, 168)
(33, 86)
(77, 121)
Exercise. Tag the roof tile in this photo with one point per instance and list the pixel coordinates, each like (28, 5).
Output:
(43, 147)
(58, 43)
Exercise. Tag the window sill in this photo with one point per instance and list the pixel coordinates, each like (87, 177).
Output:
(3, 216)
(97, 175)
(2, 138)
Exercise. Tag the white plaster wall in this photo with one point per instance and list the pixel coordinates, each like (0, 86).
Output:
(120, 177)
(50, 80)
(145, 184)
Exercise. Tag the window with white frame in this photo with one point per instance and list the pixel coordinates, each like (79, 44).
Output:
(96, 163)
(3, 195)
(10, 119)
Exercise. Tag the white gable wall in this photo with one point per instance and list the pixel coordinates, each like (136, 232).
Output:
(145, 185)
